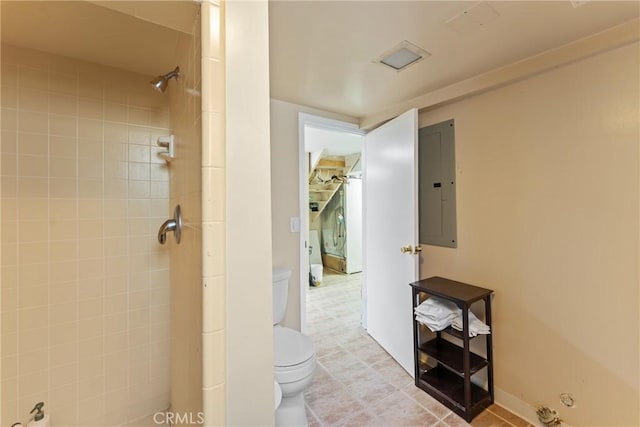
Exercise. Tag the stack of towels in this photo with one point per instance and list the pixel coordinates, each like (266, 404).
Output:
(438, 314)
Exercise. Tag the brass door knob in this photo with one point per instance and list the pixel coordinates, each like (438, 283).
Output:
(417, 250)
(406, 249)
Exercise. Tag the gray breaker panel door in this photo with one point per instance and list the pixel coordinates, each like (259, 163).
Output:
(437, 184)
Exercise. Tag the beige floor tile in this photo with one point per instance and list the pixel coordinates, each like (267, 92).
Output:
(311, 419)
(367, 386)
(336, 407)
(428, 402)
(393, 373)
(397, 410)
(363, 419)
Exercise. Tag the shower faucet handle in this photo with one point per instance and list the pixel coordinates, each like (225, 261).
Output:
(174, 225)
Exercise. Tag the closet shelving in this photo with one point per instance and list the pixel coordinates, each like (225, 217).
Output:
(449, 381)
(321, 194)
(321, 191)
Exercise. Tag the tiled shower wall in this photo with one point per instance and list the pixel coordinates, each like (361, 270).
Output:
(85, 285)
(186, 258)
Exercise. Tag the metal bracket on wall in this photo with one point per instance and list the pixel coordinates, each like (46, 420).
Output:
(167, 142)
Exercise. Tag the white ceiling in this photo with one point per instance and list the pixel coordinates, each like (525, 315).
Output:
(333, 143)
(135, 36)
(321, 52)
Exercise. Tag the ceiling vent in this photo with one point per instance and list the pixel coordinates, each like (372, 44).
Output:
(402, 56)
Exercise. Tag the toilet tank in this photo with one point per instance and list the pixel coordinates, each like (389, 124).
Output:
(280, 291)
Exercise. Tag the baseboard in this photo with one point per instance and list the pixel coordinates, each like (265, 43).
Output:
(517, 406)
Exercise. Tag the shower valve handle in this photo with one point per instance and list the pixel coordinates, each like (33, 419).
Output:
(174, 225)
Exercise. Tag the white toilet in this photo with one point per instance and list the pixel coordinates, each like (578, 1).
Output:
(294, 358)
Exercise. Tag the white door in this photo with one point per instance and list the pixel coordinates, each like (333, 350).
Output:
(391, 222)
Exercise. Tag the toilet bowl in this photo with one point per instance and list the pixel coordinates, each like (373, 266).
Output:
(277, 394)
(294, 358)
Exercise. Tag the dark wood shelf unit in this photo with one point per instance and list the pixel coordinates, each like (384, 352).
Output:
(450, 355)
(450, 380)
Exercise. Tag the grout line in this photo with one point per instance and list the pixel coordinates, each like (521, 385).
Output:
(425, 408)
(308, 408)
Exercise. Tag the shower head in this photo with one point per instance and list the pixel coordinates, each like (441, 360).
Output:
(160, 83)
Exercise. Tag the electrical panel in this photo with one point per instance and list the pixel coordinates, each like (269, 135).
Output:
(437, 184)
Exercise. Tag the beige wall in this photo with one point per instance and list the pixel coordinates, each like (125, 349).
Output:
(248, 252)
(548, 191)
(186, 259)
(85, 315)
(285, 200)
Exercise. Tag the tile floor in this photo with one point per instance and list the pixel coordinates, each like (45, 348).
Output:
(356, 382)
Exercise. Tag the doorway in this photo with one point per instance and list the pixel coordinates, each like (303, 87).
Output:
(389, 225)
(330, 173)
(354, 371)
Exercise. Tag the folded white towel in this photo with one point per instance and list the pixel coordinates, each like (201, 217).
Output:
(476, 326)
(435, 324)
(436, 308)
(472, 332)
(438, 314)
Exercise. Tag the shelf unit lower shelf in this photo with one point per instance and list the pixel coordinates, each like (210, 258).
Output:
(450, 356)
(448, 389)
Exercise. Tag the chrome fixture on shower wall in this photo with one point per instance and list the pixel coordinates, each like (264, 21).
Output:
(174, 225)
(167, 142)
(160, 83)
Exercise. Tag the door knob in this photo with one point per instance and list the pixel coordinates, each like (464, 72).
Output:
(417, 250)
(406, 249)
